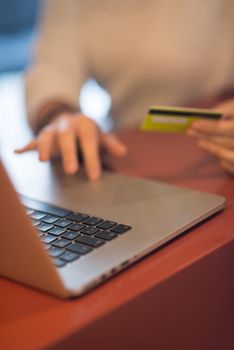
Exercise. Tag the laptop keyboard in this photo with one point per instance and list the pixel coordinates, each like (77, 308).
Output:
(68, 235)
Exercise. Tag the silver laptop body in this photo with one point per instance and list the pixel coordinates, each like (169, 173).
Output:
(157, 212)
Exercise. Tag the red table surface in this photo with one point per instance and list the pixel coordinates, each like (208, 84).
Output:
(180, 296)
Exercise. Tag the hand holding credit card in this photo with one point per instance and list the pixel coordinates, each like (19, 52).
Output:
(175, 119)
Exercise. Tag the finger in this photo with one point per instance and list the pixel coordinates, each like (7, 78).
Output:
(68, 148)
(89, 143)
(29, 147)
(46, 142)
(222, 127)
(228, 166)
(113, 145)
(220, 152)
(226, 108)
(223, 141)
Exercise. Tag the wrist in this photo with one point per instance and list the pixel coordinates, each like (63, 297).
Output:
(52, 110)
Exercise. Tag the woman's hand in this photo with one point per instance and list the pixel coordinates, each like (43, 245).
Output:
(68, 134)
(217, 137)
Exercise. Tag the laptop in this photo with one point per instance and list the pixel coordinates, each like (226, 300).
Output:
(72, 235)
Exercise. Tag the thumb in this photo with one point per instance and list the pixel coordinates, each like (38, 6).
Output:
(226, 108)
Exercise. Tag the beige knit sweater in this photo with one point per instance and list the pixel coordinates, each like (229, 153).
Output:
(143, 52)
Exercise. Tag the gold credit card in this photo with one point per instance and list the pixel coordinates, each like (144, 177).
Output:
(175, 119)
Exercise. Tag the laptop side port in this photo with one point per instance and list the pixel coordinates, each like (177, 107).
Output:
(124, 264)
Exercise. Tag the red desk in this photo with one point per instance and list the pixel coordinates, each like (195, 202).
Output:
(179, 297)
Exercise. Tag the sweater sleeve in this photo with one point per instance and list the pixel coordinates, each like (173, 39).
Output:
(58, 68)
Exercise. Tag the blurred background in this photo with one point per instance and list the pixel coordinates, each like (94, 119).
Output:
(19, 21)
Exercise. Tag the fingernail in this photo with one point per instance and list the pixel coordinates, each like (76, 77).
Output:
(43, 158)
(18, 150)
(94, 175)
(71, 168)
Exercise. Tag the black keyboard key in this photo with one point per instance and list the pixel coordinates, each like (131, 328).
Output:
(55, 252)
(69, 256)
(79, 248)
(37, 215)
(47, 246)
(40, 234)
(63, 223)
(92, 221)
(57, 231)
(59, 263)
(44, 207)
(48, 239)
(49, 209)
(35, 223)
(91, 241)
(120, 229)
(76, 227)
(29, 211)
(44, 227)
(106, 225)
(90, 230)
(61, 243)
(50, 219)
(78, 217)
(71, 235)
(106, 235)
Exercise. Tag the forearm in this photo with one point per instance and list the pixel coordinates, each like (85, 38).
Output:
(50, 110)
(54, 80)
